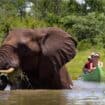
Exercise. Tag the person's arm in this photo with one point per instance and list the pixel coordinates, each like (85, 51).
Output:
(91, 67)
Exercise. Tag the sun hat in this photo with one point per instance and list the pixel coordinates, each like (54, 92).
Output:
(93, 53)
(89, 57)
(97, 55)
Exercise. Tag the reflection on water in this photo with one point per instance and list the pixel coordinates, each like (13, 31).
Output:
(83, 93)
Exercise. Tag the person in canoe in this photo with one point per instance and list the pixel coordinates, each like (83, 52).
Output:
(96, 60)
(89, 65)
(92, 63)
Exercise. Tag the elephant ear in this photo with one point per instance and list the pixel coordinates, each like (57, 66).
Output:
(58, 46)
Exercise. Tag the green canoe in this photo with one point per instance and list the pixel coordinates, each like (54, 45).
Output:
(96, 75)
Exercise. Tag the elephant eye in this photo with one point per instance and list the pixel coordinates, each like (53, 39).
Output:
(33, 39)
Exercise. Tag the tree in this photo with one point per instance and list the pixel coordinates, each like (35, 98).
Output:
(95, 5)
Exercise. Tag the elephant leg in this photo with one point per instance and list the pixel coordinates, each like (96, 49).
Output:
(66, 79)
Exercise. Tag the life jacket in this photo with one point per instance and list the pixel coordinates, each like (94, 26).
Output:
(87, 65)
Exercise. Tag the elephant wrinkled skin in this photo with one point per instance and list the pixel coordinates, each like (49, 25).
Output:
(41, 54)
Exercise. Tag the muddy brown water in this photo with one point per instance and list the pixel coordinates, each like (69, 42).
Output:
(83, 93)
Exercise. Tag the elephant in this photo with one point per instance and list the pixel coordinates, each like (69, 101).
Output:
(41, 54)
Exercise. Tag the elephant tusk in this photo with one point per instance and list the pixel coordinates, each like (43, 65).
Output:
(10, 70)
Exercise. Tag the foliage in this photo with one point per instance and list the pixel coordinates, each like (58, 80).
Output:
(88, 29)
(96, 5)
(52, 19)
(85, 21)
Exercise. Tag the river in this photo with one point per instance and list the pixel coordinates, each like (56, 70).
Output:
(83, 93)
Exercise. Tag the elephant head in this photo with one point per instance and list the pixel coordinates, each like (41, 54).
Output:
(29, 49)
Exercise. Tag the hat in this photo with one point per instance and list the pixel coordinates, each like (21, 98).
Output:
(89, 57)
(97, 55)
(93, 53)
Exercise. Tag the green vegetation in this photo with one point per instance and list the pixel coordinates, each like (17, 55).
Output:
(85, 21)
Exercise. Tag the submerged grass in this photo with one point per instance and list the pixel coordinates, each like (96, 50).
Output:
(75, 66)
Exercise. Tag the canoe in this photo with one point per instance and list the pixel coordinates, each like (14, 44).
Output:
(97, 75)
